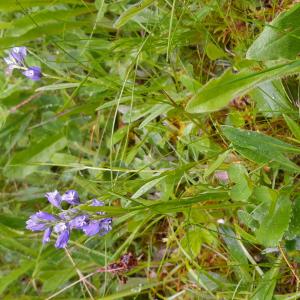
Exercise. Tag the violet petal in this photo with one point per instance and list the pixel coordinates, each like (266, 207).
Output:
(34, 73)
(54, 198)
(78, 222)
(63, 239)
(47, 234)
(71, 197)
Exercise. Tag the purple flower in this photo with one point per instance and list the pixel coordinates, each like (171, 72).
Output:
(102, 227)
(105, 226)
(59, 227)
(18, 54)
(78, 222)
(96, 202)
(11, 64)
(67, 220)
(15, 59)
(63, 239)
(63, 231)
(34, 73)
(54, 198)
(222, 176)
(39, 221)
(45, 216)
(71, 197)
(35, 226)
(47, 234)
(91, 228)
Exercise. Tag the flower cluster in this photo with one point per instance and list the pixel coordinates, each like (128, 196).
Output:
(67, 220)
(16, 60)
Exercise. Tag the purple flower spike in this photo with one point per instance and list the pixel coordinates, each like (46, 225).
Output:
(78, 222)
(38, 221)
(19, 54)
(33, 73)
(105, 226)
(47, 235)
(54, 198)
(34, 225)
(45, 216)
(91, 228)
(96, 202)
(98, 226)
(11, 64)
(71, 197)
(63, 239)
(222, 176)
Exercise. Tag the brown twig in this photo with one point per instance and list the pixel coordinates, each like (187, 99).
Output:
(24, 102)
(289, 264)
(84, 281)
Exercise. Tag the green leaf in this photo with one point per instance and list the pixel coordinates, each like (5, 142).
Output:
(214, 52)
(242, 190)
(110, 210)
(270, 98)
(8, 279)
(267, 283)
(22, 25)
(275, 222)
(190, 83)
(216, 163)
(146, 187)
(154, 112)
(3, 116)
(58, 86)
(218, 92)
(183, 204)
(294, 226)
(280, 39)
(293, 126)
(236, 252)
(47, 30)
(128, 14)
(53, 279)
(139, 289)
(19, 134)
(192, 241)
(6, 6)
(10, 241)
(24, 163)
(261, 148)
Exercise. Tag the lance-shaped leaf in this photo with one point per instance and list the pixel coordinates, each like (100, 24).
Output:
(276, 222)
(27, 161)
(267, 283)
(280, 39)
(294, 226)
(128, 14)
(217, 93)
(261, 148)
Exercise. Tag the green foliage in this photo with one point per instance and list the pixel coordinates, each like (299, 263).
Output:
(242, 190)
(182, 118)
(217, 93)
(261, 148)
(266, 285)
(275, 222)
(280, 39)
(129, 13)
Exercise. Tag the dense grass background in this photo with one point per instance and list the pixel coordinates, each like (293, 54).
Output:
(120, 117)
